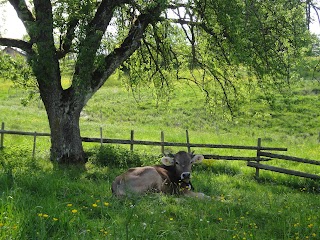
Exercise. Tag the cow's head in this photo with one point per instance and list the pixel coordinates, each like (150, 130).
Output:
(182, 162)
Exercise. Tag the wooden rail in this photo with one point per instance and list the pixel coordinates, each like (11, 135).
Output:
(177, 144)
(282, 170)
(294, 159)
(258, 166)
(161, 143)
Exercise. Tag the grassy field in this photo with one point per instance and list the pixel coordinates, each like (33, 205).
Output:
(39, 200)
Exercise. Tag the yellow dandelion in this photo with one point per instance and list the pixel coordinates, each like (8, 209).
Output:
(74, 210)
(171, 219)
(55, 219)
(69, 205)
(314, 235)
(45, 215)
(220, 219)
(94, 205)
(106, 204)
(98, 201)
(40, 214)
(310, 225)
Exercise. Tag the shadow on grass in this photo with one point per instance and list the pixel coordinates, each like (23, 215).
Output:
(296, 183)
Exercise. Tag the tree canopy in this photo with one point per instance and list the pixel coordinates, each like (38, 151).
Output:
(151, 40)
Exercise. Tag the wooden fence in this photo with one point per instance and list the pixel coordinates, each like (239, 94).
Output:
(162, 143)
(261, 152)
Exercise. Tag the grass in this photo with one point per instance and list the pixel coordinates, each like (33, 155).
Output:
(42, 201)
(39, 200)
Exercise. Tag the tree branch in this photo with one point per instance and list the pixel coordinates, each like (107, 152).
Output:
(24, 13)
(129, 45)
(67, 40)
(104, 14)
(25, 46)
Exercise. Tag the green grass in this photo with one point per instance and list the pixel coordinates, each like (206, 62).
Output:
(39, 200)
(42, 201)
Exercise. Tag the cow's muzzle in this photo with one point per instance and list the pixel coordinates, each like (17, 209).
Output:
(185, 176)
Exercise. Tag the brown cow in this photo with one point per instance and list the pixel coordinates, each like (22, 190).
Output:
(172, 177)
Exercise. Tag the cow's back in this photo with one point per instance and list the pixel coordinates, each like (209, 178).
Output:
(137, 180)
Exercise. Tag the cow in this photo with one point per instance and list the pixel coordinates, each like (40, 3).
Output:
(172, 177)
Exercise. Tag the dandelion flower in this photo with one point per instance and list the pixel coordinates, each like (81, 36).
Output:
(55, 219)
(310, 225)
(45, 215)
(106, 204)
(74, 210)
(69, 205)
(171, 219)
(94, 205)
(40, 214)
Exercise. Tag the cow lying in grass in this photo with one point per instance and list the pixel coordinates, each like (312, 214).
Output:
(172, 177)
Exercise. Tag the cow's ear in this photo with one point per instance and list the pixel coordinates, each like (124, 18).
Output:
(197, 158)
(167, 161)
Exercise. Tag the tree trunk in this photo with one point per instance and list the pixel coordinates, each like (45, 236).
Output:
(66, 144)
(63, 110)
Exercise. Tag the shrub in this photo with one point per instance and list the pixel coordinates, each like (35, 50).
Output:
(114, 157)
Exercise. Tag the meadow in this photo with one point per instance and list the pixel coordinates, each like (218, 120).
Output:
(40, 200)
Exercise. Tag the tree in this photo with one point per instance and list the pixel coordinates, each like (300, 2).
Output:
(144, 37)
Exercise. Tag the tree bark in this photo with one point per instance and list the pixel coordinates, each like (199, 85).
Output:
(63, 112)
(66, 144)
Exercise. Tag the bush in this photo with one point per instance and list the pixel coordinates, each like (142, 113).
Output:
(114, 157)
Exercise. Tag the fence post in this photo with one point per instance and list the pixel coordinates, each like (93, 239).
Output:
(162, 142)
(2, 136)
(101, 139)
(131, 140)
(34, 144)
(258, 156)
(188, 141)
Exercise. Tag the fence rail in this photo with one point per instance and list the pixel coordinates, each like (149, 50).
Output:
(161, 143)
(261, 154)
(290, 158)
(283, 170)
